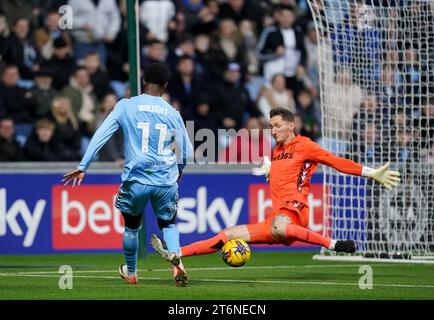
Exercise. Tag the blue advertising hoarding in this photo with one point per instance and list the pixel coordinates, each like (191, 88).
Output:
(39, 215)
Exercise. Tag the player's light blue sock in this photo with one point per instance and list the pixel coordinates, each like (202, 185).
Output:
(131, 245)
(171, 237)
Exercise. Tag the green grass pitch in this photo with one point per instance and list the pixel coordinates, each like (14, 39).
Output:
(269, 275)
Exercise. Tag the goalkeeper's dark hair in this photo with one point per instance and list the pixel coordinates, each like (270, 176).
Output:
(156, 73)
(284, 113)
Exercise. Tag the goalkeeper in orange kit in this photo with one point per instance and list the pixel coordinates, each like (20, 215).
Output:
(294, 160)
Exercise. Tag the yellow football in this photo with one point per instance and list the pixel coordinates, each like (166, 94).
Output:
(236, 252)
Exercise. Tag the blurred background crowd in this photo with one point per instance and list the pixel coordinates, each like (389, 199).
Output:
(231, 61)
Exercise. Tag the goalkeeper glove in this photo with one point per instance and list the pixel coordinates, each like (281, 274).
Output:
(387, 178)
(264, 170)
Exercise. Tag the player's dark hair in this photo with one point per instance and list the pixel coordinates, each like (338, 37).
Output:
(284, 113)
(156, 73)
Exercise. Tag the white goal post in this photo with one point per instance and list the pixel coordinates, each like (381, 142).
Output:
(376, 61)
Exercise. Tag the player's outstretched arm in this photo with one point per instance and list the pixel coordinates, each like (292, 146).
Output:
(387, 178)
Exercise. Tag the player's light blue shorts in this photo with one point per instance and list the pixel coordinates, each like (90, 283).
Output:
(133, 197)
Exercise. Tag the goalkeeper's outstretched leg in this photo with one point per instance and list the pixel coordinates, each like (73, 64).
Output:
(280, 228)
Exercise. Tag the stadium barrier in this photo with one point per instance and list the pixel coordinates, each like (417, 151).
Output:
(38, 215)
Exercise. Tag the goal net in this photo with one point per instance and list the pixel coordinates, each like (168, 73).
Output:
(376, 60)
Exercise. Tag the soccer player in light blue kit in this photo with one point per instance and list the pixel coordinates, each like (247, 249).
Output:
(157, 148)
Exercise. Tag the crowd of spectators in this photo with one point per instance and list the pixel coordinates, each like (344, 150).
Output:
(231, 61)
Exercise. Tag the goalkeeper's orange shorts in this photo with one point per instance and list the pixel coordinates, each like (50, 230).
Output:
(261, 233)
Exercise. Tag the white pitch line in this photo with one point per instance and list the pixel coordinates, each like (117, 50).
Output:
(54, 276)
(327, 283)
(211, 268)
(320, 283)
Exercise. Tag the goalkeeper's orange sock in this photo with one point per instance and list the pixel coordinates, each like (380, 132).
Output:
(211, 245)
(302, 234)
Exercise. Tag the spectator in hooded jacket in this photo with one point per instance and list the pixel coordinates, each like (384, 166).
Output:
(43, 93)
(83, 99)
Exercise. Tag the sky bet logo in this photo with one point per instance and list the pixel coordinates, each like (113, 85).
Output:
(85, 218)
